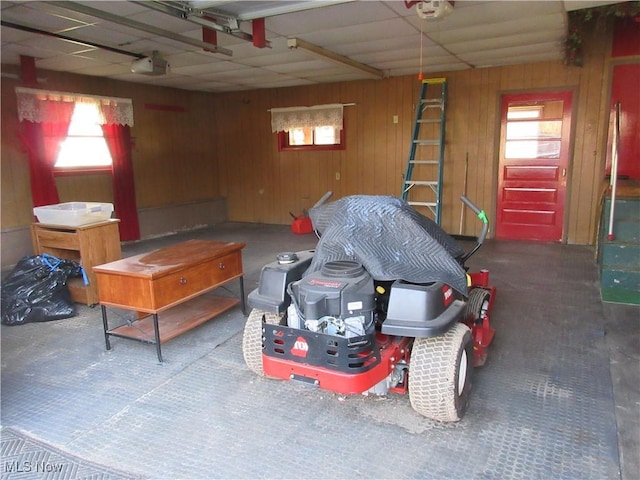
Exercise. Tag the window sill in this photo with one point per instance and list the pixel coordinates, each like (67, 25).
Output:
(70, 171)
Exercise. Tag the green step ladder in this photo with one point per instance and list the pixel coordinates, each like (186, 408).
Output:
(426, 155)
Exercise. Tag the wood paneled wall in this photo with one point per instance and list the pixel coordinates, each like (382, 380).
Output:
(222, 144)
(264, 185)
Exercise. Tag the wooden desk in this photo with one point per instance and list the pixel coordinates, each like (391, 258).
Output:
(89, 245)
(170, 281)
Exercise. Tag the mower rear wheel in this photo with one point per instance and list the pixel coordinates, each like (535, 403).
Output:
(440, 374)
(252, 338)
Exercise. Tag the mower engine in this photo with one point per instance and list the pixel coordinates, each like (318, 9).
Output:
(337, 300)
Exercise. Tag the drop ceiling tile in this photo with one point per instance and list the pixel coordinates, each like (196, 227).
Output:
(59, 46)
(10, 57)
(400, 8)
(163, 21)
(328, 18)
(512, 26)
(430, 69)
(330, 72)
(26, 14)
(333, 38)
(13, 35)
(229, 75)
(540, 57)
(275, 59)
(494, 43)
(122, 8)
(192, 59)
(103, 35)
(375, 58)
(248, 50)
(122, 29)
(489, 13)
(105, 70)
(106, 56)
(297, 68)
(414, 67)
(66, 63)
(382, 58)
(207, 69)
(146, 46)
(493, 57)
(34, 51)
(394, 43)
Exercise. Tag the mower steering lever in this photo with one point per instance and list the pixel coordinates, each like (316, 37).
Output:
(324, 199)
(485, 227)
(480, 214)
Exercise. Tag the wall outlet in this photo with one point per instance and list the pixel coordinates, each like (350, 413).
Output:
(395, 119)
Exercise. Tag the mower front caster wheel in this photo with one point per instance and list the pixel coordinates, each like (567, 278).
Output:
(440, 374)
(477, 305)
(252, 338)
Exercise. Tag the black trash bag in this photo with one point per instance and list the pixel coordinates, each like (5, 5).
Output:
(36, 290)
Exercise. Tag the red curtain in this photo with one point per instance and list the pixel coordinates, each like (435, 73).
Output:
(43, 141)
(43, 183)
(118, 139)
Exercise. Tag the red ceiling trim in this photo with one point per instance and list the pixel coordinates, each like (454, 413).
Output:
(209, 35)
(259, 33)
(28, 70)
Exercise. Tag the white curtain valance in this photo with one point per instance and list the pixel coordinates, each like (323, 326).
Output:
(286, 119)
(40, 106)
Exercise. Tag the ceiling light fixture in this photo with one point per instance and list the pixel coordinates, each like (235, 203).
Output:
(333, 57)
(434, 9)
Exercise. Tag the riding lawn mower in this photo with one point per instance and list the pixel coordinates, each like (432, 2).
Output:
(384, 303)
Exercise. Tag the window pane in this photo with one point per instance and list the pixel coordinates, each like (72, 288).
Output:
(85, 145)
(532, 149)
(301, 136)
(83, 152)
(525, 111)
(326, 136)
(527, 130)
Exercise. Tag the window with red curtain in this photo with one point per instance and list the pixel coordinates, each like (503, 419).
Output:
(46, 116)
(118, 139)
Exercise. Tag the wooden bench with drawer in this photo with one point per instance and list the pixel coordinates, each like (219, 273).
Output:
(169, 281)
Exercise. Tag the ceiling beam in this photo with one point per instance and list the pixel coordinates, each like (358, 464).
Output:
(333, 57)
(80, 8)
(86, 43)
(199, 17)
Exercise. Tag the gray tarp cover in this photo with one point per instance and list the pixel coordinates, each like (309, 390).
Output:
(389, 238)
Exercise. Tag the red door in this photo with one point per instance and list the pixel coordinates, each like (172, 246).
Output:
(534, 156)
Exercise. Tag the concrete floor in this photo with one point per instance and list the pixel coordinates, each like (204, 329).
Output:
(559, 396)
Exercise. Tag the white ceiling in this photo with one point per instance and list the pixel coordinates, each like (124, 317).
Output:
(384, 35)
